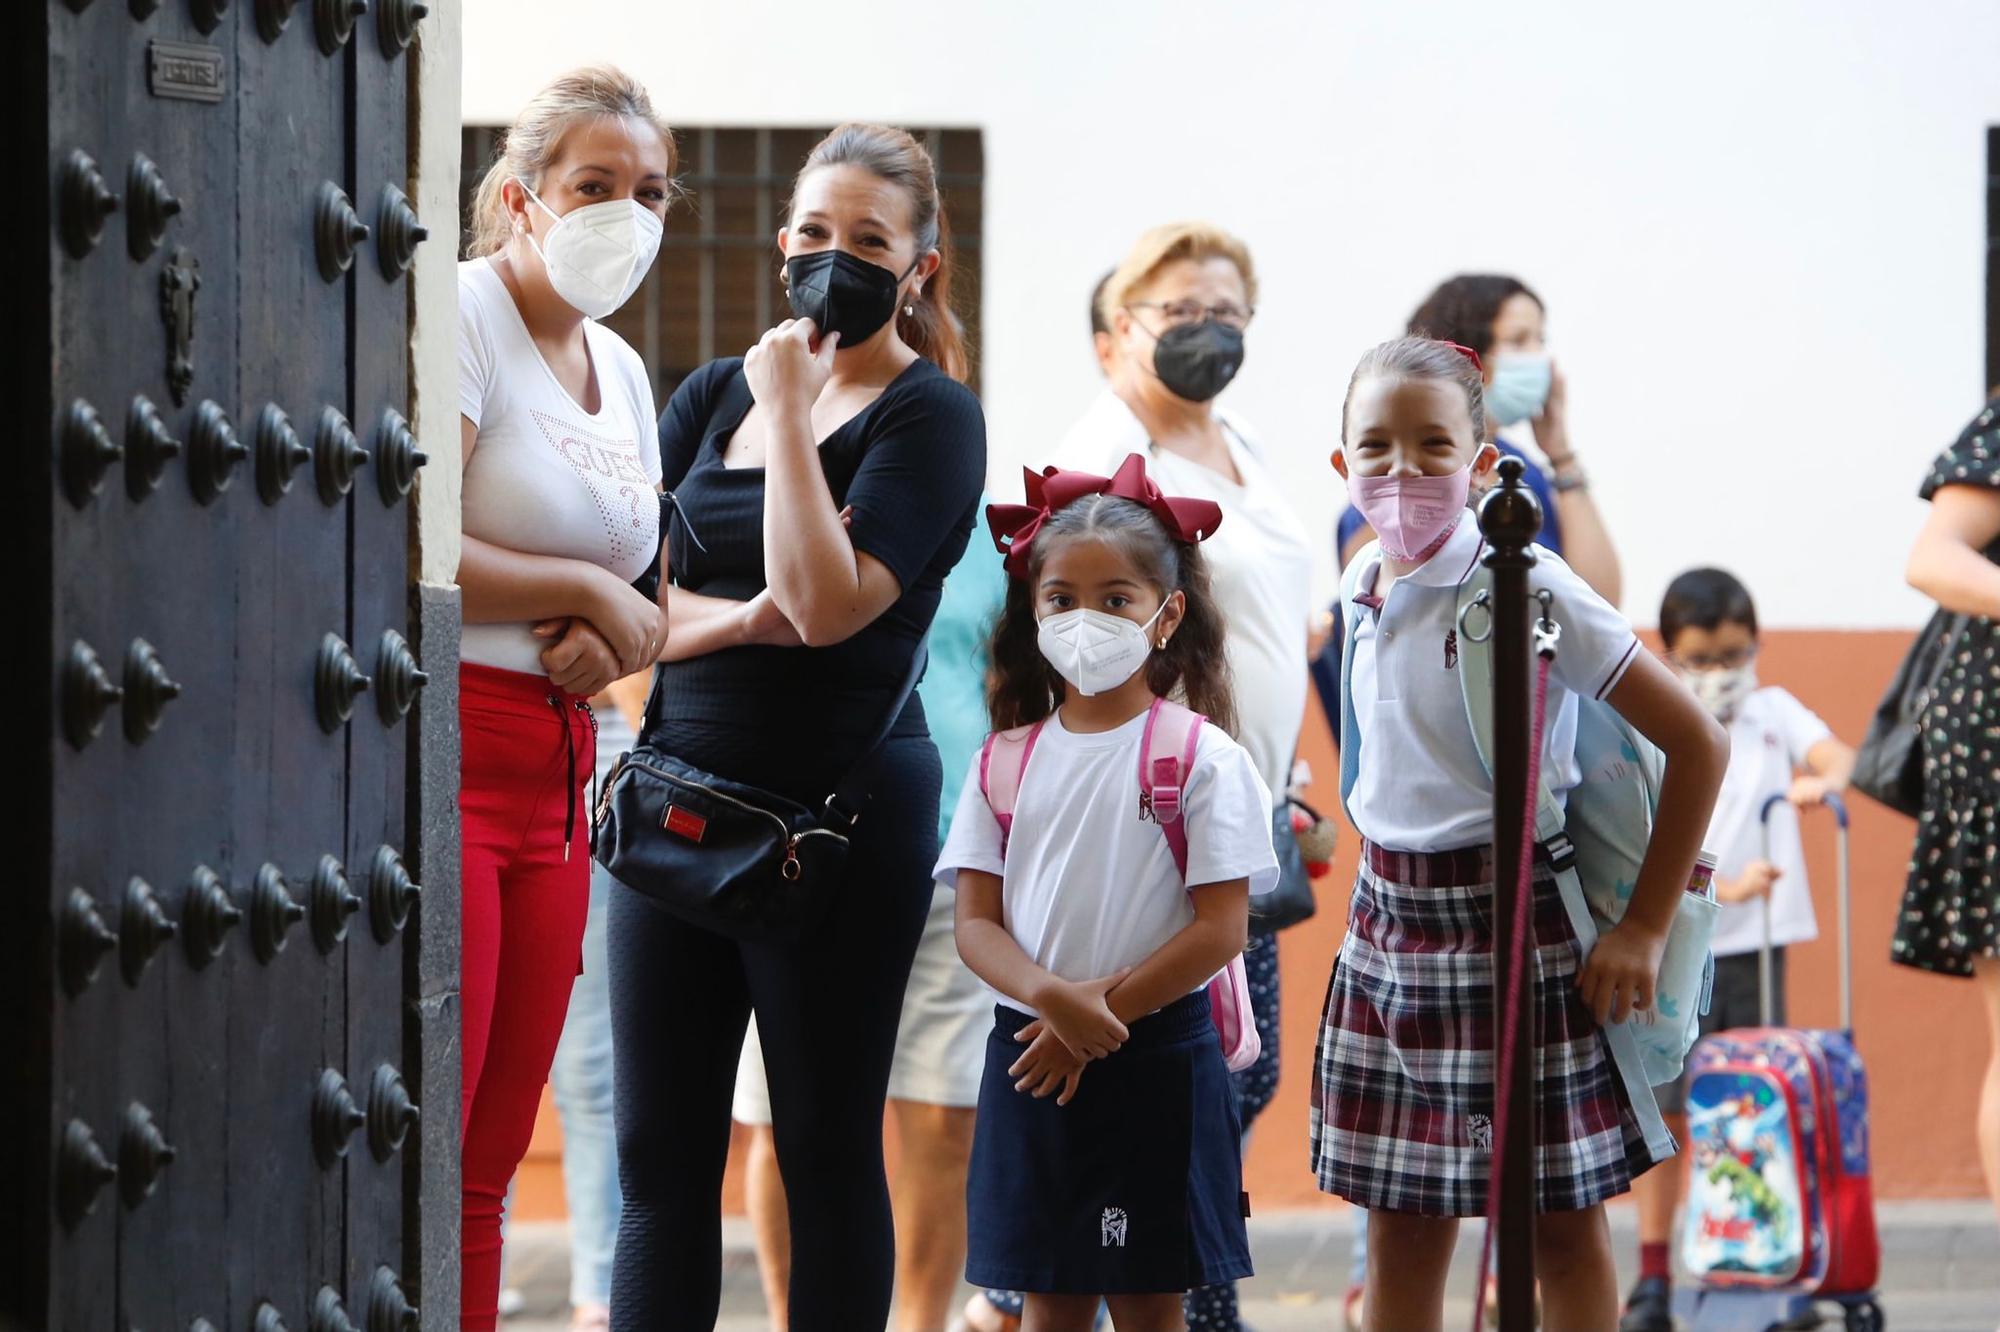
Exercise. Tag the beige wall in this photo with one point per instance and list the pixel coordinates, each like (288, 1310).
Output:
(434, 290)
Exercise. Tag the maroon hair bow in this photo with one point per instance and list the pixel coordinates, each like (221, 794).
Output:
(1015, 526)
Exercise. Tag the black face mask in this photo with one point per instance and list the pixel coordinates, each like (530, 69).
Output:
(1197, 361)
(842, 294)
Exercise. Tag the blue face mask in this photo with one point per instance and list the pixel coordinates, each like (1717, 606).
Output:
(1520, 387)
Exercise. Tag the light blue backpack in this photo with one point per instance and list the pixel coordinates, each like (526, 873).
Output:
(1596, 844)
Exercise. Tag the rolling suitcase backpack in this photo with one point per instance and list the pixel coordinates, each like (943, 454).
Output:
(1780, 1211)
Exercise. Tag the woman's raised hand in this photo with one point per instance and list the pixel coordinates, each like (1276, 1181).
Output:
(785, 371)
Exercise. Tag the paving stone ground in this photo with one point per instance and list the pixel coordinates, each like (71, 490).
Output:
(1940, 1271)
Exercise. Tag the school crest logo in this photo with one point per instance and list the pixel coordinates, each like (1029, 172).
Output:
(1113, 1227)
(1480, 1129)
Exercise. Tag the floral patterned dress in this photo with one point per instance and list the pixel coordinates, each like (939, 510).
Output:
(1951, 908)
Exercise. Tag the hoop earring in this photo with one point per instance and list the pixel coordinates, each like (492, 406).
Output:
(1163, 642)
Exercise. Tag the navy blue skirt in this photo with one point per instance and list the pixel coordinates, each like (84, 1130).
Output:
(1135, 1187)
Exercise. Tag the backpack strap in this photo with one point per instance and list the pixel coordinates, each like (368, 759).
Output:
(1002, 760)
(1166, 757)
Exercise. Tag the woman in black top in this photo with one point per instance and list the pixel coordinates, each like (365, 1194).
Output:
(828, 482)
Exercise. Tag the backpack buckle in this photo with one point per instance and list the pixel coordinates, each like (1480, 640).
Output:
(1562, 852)
(1162, 798)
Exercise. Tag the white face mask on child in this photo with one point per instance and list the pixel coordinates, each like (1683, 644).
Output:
(1723, 692)
(1093, 651)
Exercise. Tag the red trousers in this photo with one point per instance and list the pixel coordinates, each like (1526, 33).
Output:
(528, 754)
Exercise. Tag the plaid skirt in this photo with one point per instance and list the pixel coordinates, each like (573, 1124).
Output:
(1402, 1100)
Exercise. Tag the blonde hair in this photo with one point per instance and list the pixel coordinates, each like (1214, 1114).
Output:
(536, 139)
(1162, 245)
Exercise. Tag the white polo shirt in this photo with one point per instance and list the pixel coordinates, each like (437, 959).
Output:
(1420, 783)
(1768, 742)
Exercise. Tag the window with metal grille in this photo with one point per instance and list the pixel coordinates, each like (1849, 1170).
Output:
(715, 289)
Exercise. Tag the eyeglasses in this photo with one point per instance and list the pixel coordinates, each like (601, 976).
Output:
(1179, 314)
(1734, 659)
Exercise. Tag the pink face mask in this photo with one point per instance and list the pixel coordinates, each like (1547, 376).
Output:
(1413, 515)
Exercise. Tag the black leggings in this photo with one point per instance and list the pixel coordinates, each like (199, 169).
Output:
(827, 1012)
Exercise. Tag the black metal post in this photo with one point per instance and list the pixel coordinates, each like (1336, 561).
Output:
(1509, 517)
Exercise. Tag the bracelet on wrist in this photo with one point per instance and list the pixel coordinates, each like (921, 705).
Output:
(1569, 479)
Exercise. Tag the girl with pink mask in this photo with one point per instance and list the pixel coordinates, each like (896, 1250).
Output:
(1402, 1108)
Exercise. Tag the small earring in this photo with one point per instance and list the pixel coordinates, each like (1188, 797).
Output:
(910, 310)
(1163, 642)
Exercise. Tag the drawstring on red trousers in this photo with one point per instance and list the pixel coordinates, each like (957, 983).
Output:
(569, 747)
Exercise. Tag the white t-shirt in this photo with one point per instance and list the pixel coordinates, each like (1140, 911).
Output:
(546, 477)
(1259, 560)
(1088, 886)
(1420, 784)
(1768, 742)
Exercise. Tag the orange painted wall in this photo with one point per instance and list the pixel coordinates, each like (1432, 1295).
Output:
(1923, 1036)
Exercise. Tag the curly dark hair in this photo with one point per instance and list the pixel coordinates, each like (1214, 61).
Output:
(1023, 687)
(1463, 309)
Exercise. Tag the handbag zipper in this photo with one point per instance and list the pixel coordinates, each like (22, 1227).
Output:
(791, 868)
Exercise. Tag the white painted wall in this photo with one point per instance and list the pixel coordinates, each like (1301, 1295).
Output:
(1759, 227)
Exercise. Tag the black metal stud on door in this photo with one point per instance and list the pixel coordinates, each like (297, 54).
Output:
(144, 9)
(329, 1314)
(148, 690)
(337, 682)
(83, 1172)
(391, 1113)
(334, 21)
(280, 452)
(149, 447)
(85, 941)
(398, 677)
(397, 456)
(143, 1155)
(143, 929)
(88, 451)
(86, 203)
(333, 901)
(213, 452)
(150, 206)
(399, 231)
(272, 912)
(335, 1118)
(397, 21)
(391, 893)
(389, 1310)
(88, 693)
(208, 14)
(272, 16)
(338, 455)
(207, 916)
(338, 231)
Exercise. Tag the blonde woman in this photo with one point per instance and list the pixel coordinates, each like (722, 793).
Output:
(561, 513)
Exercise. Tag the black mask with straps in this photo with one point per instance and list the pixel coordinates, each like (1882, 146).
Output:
(1197, 361)
(842, 294)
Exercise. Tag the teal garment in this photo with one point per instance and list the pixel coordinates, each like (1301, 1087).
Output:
(954, 686)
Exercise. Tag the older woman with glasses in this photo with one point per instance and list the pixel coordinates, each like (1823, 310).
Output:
(1175, 311)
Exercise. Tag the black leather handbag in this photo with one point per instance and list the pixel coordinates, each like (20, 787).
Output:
(727, 856)
(1889, 765)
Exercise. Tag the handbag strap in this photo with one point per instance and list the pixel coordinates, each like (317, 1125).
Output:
(843, 807)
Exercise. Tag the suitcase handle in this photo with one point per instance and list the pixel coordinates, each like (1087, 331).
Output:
(1844, 910)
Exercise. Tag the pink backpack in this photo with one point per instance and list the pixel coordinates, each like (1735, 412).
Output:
(1166, 756)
